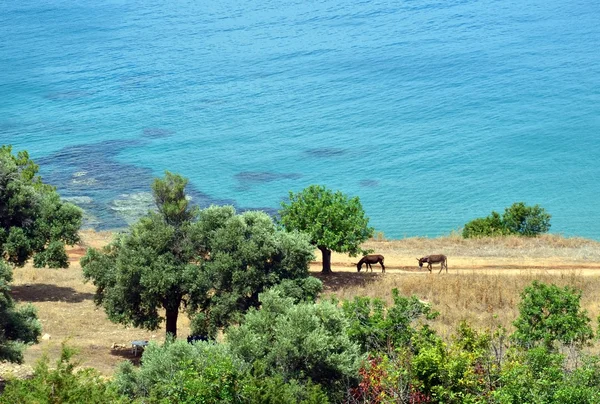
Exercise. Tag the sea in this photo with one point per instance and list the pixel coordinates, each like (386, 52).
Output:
(432, 112)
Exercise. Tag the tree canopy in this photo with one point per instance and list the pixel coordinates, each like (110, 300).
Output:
(34, 222)
(33, 219)
(333, 221)
(211, 262)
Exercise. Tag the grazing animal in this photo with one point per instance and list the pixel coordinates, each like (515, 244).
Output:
(370, 259)
(434, 259)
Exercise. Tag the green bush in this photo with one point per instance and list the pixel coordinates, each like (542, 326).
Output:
(378, 329)
(61, 385)
(539, 376)
(526, 220)
(518, 219)
(462, 371)
(549, 314)
(259, 387)
(491, 226)
(431, 370)
(183, 373)
(307, 342)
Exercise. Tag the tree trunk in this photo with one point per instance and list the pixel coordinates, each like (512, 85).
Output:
(172, 322)
(326, 260)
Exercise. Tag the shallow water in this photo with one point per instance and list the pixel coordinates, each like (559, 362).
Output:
(432, 112)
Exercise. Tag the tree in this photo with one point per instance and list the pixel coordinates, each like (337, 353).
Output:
(211, 262)
(549, 314)
(33, 222)
(33, 219)
(18, 326)
(333, 221)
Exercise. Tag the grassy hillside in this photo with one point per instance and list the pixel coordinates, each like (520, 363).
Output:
(483, 285)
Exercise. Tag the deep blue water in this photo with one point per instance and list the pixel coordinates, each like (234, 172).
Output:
(432, 112)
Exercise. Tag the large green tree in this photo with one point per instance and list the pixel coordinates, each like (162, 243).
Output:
(333, 221)
(33, 222)
(213, 263)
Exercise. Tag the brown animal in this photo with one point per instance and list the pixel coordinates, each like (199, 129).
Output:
(434, 259)
(370, 259)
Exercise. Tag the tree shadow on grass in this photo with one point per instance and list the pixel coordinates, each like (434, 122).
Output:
(127, 353)
(340, 280)
(40, 292)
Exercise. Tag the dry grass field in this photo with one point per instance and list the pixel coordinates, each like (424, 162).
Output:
(483, 284)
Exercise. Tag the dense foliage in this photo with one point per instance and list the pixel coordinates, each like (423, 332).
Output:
(380, 329)
(550, 315)
(307, 342)
(33, 219)
(33, 222)
(333, 221)
(213, 263)
(61, 384)
(298, 350)
(518, 219)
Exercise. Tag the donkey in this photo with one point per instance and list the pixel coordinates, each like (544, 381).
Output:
(434, 259)
(370, 259)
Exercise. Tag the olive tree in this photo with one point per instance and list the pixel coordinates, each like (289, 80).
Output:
(33, 219)
(212, 263)
(34, 222)
(333, 221)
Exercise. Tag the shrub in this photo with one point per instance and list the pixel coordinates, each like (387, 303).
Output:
(183, 373)
(61, 385)
(526, 220)
(490, 226)
(307, 342)
(431, 371)
(549, 314)
(376, 328)
(518, 219)
(538, 375)
(259, 387)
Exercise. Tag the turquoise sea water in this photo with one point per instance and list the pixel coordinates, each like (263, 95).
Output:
(432, 112)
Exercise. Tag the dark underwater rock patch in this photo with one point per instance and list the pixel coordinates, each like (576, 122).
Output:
(249, 179)
(157, 133)
(325, 152)
(368, 183)
(264, 176)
